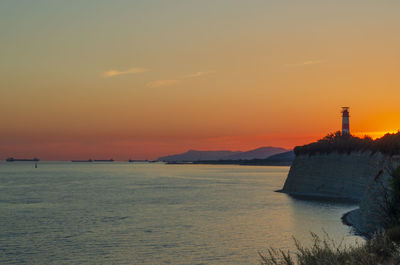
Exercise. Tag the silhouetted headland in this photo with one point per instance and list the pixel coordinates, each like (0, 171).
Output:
(255, 157)
(283, 159)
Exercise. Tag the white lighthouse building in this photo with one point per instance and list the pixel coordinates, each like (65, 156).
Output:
(345, 121)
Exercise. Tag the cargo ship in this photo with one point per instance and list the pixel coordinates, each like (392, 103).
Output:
(133, 160)
(82, 161)
(12, 159)
(105, 160)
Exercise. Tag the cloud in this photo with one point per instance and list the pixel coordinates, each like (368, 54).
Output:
(197, 74)
(306, 63)
(163, 83)
(170, 82)
(130, 71)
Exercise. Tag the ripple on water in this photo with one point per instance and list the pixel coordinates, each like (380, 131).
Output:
(69, 213)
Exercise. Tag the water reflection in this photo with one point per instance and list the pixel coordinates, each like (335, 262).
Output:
(152, 214)
(321, 216)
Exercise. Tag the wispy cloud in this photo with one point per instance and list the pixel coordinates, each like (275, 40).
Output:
(197, 74)
(305, 63)
(130, 71)
(170, 82)
(163, 83)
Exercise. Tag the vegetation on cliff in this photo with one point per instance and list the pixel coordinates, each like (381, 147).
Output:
(389, 144)
(390, 205)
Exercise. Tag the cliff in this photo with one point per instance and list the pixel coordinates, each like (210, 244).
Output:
(333, 175)
(370, 216)
(348, 167)
(358, 176)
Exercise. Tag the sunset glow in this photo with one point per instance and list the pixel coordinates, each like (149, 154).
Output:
(141, 79)
(374, 135)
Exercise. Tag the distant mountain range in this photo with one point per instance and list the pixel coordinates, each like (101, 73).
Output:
(195, 155)
(286, 156)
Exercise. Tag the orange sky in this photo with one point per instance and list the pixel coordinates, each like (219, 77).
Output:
(141, 79)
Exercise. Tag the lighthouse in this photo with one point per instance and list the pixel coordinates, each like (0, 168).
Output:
(345, 121)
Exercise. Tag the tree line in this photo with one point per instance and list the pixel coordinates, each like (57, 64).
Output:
(338, 142)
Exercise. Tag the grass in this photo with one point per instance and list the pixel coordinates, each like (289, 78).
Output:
(380, 249)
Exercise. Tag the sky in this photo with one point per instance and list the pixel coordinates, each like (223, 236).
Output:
(139, 79)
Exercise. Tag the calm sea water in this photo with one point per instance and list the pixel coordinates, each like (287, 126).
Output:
(124, 213)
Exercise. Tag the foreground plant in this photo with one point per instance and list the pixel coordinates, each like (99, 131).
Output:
(380, 249)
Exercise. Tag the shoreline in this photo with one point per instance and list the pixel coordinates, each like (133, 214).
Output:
(319, 197)
(346, 218)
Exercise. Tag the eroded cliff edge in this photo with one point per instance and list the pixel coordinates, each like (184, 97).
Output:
(333, 175)
(358, 176)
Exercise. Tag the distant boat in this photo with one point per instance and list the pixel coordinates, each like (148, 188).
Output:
(82, 161)
(12, 159)
(105, 160)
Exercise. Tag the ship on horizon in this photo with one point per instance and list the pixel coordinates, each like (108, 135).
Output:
(104, 160)
(81, 161)
(12, 159)
(134, 160)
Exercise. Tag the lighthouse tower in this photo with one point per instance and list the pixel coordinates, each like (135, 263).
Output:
(345, 121)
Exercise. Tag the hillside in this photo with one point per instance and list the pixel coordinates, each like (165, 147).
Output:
(195, 155)
(259, 153)
(282, 157)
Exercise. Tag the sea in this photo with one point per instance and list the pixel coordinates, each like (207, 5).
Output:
(153, 213)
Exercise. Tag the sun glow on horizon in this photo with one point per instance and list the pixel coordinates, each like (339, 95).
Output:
(376, 134)
(143, 79)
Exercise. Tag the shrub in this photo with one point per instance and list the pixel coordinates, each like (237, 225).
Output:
(390, 205)
(378, 250)
(345, 143)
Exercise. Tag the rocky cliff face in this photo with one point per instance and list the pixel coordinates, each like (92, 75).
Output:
(370, 216)
(356, 176)
(333, 175)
